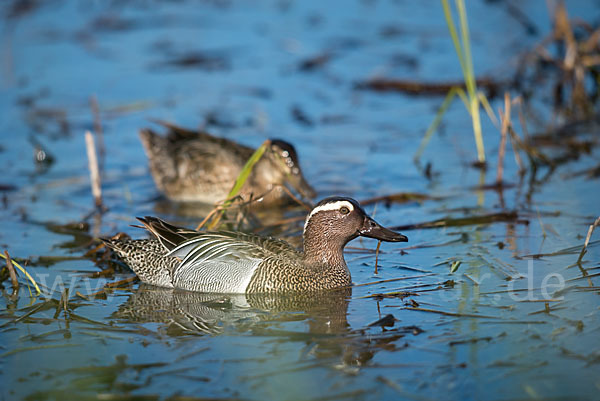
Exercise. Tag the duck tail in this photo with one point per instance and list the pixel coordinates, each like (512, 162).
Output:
(169, 235)
(152, 142)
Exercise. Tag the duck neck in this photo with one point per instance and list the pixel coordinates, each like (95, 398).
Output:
(323, 252)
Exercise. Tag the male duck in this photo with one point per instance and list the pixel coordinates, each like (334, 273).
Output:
(190, 166)
(234, 262)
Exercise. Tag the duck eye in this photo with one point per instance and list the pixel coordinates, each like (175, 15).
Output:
(344, 210)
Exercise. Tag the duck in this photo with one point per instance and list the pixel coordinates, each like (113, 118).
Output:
(242, 263)
(195, 166)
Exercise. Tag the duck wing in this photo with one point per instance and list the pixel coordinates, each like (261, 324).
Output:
(223, 261)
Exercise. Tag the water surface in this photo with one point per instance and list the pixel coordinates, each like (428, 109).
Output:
(505, 326)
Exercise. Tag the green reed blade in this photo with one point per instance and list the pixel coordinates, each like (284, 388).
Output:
(462, 47)
(240, 181)
(436, 122)
(469, 74)
(487, 107)
(454, 35)
(243, 176)
(25, 273)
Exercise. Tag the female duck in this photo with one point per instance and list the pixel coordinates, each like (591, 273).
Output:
(234, 262)
(190, 166)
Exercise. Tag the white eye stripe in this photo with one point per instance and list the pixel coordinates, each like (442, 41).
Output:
(330, 206)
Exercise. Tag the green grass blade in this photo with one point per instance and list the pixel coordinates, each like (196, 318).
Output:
(488, 109)
(476, 120)
(436, 122)
(455, 265)
(25, 273)
(454, 35)
(472, 97)
(463, 96)
(469, 74)
(240, 181)
(243, 176)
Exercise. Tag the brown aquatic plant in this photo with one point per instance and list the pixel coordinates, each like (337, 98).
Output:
(572, 52)
(98, 130)
(22, 270)
(11, 272)
(587, 239)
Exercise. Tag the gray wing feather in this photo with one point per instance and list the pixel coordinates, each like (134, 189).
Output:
(217, 276)
(221, 261)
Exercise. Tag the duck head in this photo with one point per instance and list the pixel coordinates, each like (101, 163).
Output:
(281, 160)
(334, 222)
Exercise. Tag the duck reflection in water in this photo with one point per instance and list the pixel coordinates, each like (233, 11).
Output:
(327, 334)
(186, 312)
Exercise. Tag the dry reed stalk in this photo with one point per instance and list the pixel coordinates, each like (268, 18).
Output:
(207, 218)
(587, 239)
(98, 129)
(295, 198)
(377, 255)
(107, 287)
(505, 118)
(11, 271)
(93, 166)
(223, 206)
(518, 101)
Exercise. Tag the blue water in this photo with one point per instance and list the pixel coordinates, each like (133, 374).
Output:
(495, 344)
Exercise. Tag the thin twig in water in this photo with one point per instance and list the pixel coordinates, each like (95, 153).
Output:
(22, 269)
(225, 206)
(541, 224)
(519, 101)
(400, 197)
(120, 282)
(107, 286)
(98, 129)
(505, 118)
(587, 239)
(63, 305)
(32, 311)
(394, 279)
(295, 198)
(208, 216)
(510, 216)
(514, 145)
(450, 313)
(93, 166)
(377, 255)
(11, 272)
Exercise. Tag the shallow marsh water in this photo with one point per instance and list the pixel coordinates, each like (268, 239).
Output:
(241, 69)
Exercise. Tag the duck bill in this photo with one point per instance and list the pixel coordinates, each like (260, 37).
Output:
(373, 229)
(299, 184)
